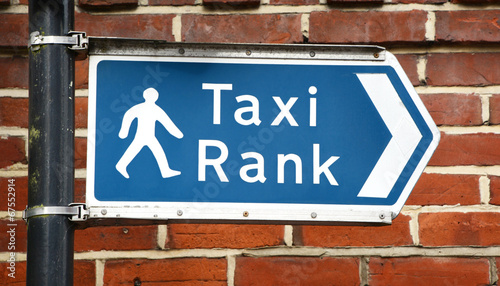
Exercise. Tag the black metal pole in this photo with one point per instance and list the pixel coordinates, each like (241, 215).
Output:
(51, 145)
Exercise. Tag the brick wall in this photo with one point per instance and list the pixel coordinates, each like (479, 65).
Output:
(447, 234)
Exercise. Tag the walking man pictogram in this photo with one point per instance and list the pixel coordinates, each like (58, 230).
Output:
(147, 113)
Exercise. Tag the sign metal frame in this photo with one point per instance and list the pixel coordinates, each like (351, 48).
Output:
(152, 50)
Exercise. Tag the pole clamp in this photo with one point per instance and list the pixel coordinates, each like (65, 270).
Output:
(75, 211)
(76, 41)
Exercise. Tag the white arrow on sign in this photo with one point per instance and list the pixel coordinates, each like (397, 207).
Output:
(405, 135)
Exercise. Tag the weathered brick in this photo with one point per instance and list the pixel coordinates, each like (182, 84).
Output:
(445, 229)
(20, 186)
(14, 31)
(116, 238)
(267, 28)
(81, 74)
(409, 65)
(294, 2)
(14, 71)
(107, 3)
(18, 278)
(467, 149)
(80, 153)
(81, 112)
(333, 236)
(367, 27)
(296, 271)
(83, 273)
(463, 69)
(14, 112)
(177, 271)
(495, 190)
(468, 26)
(17, 242)
(428, 271)
(142, 26)
(13, 151)
(454, 109)
(80, 190)
(473, 1)
(223, 235)
(495, 109)
(222, 3)
(333, 2)
(439, 189)
(171, 2)
(420, 1)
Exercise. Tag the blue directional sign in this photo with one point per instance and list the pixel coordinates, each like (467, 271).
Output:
(257, 138)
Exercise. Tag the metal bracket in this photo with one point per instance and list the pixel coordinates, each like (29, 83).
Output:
(76, 41)
(75, 211)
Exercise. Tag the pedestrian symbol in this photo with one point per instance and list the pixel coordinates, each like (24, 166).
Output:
(147, 113)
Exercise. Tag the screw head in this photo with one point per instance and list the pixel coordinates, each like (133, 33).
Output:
(312, 54)
(376, 55)
(248, 52)
(245, 213)
(314, 215)
(179, 212)
(181, 51)
(381, 216)
(104, 211)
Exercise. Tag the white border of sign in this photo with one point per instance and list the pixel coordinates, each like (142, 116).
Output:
(250, 211)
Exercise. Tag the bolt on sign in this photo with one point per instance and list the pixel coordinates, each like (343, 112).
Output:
(252, 132)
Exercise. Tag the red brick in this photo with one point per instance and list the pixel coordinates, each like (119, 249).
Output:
(13, 151)
(337, 236)
(107, 3)
(19, 278)
(80, 153)
(333, 2)
(467, 149)
(438, 189)
(223, 235)
(80, 190)
(473, 1)
(495, 190)
(18, 242)
(242, 28)
(454, 109)
(81, 74)
(142, 26)
(409, 64)
(14, 31)
(116, 238)
(83, 274)
(222, 3)
(176, 271)
(171, 2)
(14, 111)
(443, 229)
(20, 186)
(294, 2)
(468, 26)
(296, 271)
(367, 27)
(81, 112)
(14, 71)
(463, 69)
(428, 271)
(419, 1)
(495, 109)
